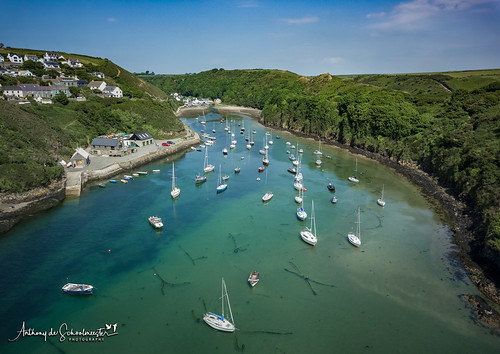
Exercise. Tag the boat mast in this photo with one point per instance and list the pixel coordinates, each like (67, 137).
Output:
(228, 304)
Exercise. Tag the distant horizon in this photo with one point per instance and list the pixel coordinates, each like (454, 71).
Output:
(304, 37)
(191, 72)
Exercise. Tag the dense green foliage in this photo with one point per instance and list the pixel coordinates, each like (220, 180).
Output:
(446, 123)
(35, 136)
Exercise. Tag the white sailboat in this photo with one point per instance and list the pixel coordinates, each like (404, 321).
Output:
(298, 198)
(318, 152)
(175, 190)
(301, 213)
(219, 322)
(381, 201)
(309, 234)
(206, 166)
(355, 239)
(354, 179)
(271, 142)
(221, 187)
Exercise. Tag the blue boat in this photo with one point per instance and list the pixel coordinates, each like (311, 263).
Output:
(112, 181)
(78, 289)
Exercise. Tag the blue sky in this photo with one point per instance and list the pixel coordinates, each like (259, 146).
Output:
(305, 37)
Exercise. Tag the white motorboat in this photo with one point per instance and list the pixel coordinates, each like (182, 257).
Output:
(156, 222)
(267, 197)
(254, 278)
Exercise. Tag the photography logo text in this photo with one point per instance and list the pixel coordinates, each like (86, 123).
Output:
(65, 333)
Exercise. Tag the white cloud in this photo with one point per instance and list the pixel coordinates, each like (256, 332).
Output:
(333, 60)
(111, 19)
(414, 14)
(300, 20)
(376, 15)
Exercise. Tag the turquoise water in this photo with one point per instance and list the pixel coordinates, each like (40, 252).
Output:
(398, 293)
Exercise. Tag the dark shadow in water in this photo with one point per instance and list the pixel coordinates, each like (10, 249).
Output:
(306, 278)
(163, 282)
(236, 248)
(191, 258)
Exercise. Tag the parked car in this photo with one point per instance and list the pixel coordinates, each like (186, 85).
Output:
(165, 144)
(170, 142)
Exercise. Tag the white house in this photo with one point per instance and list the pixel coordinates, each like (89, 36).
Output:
(113, 91)
(2, 59)
(31, 57)
(51, 65)
(97, 85)
(74, 63)
(25, 73)
(12, 91)
(14, 58)
(98, 74)
(51, 56)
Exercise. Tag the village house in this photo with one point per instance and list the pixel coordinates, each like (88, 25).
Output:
(12, 91)
(31, 57)
(51, 65)
(141, 139)
(74, 63)
(106, 146)
(51, 56)
(82, 83)
(97, 85)
(35, 90)
(80, 158)
(98, 74)
(113, 91)
(14, 58)
(2, 59)
(66, 81)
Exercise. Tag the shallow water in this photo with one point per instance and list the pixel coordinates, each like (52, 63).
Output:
(399, 292)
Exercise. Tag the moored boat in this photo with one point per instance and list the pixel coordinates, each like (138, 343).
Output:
(78, 289)
(267, 197)
(156, 222)
(254, 278)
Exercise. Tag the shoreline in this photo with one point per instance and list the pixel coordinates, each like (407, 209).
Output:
(15, 207)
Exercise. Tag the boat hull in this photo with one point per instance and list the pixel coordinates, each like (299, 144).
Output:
(78, 289)
(309, 238)
(354, 240)
(353, 179)
(218, 322)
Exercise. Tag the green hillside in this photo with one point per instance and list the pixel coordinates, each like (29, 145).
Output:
(448, 124)
(34, 137)
(115, 75)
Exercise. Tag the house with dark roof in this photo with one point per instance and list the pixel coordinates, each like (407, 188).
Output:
(74, 63)
(51, 56)
(141, 139)
(106, 146)
(113, 91)
(31, 57)
(14, 58)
